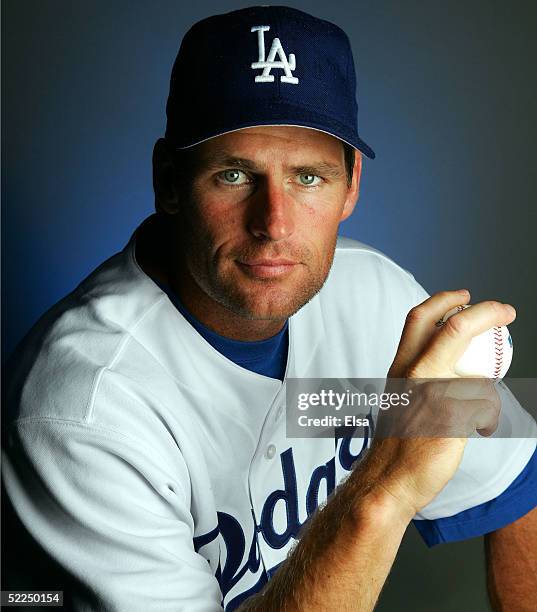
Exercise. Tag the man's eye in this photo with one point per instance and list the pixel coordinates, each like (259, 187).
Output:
(309, 180)
(233, 177)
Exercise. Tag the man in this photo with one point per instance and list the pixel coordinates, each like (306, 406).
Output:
(146, 453)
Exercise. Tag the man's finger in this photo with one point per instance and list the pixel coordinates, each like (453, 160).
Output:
(420, 326)
(447, 346)
(484, 416)
(471, 388)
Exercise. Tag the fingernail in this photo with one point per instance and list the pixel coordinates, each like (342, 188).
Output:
(509, 309)
(463, 291)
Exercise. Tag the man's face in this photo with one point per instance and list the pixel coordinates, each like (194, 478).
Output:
(259, 233)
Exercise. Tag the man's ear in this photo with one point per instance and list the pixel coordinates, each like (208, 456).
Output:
(353, 192)
(164, 179)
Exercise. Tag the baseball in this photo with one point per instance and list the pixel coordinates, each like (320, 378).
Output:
(488, 355)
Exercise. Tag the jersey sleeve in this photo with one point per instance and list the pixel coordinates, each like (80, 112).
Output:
(496, 482)
(101, 505)
(517, 500)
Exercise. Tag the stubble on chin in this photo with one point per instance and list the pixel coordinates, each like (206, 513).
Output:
(274, 300)
(253, 299)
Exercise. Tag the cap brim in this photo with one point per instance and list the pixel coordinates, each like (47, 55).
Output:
(273, 115)
(357, 142)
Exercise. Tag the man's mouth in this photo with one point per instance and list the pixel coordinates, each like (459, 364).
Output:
(267, 268)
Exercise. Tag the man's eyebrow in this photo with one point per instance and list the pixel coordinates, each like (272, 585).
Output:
(217, 160)
(322, 168)
(222, 159)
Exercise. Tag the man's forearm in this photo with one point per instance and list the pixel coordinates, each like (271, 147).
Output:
(344, 555)
(512, 565)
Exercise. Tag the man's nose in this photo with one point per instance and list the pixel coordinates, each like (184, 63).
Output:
(272, 212)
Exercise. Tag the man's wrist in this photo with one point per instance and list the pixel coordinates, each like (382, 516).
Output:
(374, 503)
(379, 508)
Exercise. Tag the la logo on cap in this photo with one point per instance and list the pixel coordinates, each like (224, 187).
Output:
(268, 64)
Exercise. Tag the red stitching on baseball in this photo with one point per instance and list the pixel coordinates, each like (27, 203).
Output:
(498, 342)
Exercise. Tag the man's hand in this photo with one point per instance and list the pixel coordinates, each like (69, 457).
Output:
(426, 352)
(419, 451)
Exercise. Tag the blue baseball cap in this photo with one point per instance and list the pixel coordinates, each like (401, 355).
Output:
(263, 65)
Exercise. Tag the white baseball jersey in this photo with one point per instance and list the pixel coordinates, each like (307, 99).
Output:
(158, 471)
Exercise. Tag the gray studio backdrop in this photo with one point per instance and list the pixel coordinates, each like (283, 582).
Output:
(447, 97)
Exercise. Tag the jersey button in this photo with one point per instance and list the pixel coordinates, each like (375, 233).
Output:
(270, 452)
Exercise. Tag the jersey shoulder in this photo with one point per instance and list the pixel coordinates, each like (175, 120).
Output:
(55, 371)
(348, 250)
(362, 269)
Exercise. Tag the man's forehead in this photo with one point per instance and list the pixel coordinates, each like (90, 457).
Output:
(296, 145)
(276, 135)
